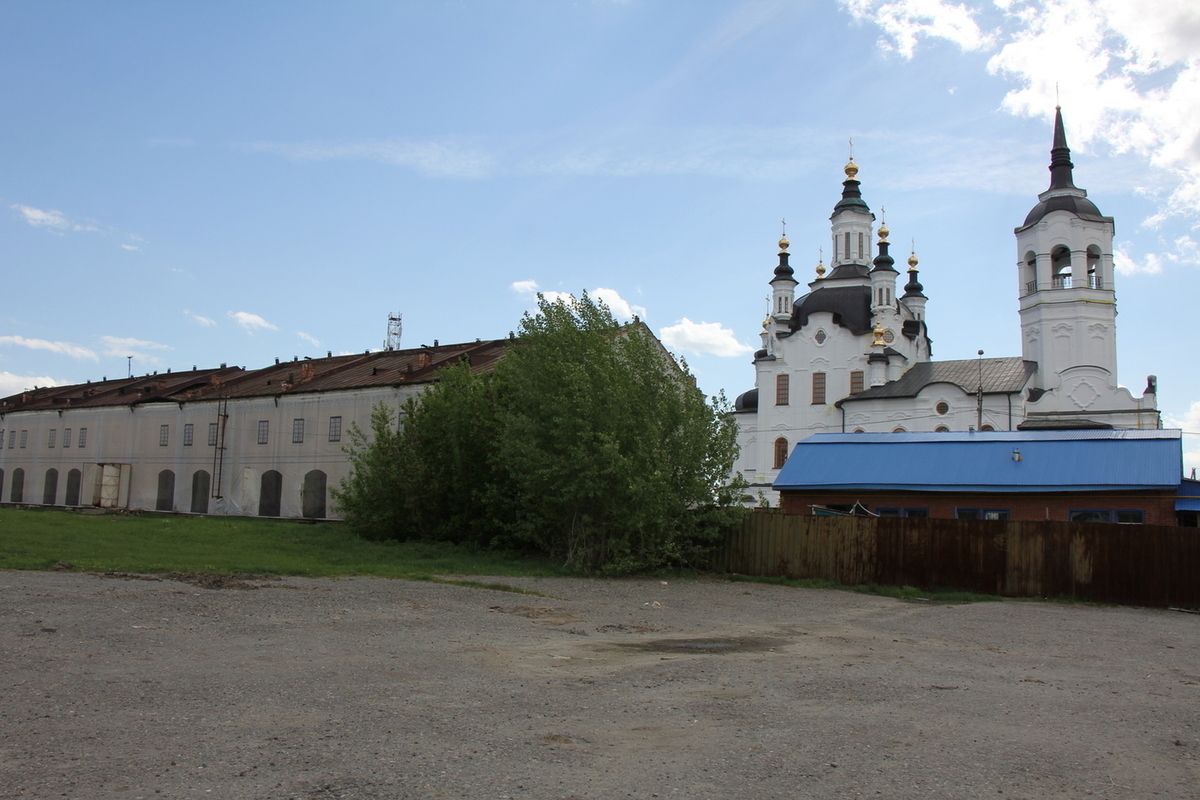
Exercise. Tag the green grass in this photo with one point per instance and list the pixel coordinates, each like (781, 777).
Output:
(898, 592)
(155, 543)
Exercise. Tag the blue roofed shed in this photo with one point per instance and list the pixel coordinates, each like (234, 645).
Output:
(1071, 474)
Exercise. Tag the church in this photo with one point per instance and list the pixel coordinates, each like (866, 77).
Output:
(853, 354)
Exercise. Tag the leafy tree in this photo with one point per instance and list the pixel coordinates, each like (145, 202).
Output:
(588, 442)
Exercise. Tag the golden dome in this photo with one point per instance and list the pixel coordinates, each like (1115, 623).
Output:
(883, 232)
(912, 260)
(878, 332)
(783, 244)
(851, 170)
(821, 269)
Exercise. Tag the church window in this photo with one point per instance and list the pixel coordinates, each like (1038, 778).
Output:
(12, 439)
(297, 431)
(189, 434)
(53, 433)
(781, 389)
(818, 387)
(942, 407)
(821, 336)
(164, 435)
(335, 429)
(859, 430)
(83, 437)
(889, 337)
(847, 251)
(212, 434)
(941, 429)
(856, 381)
(986, 427)
(264, 428)
(899, 430)
(1093, 262)
(781, 452)
(860, 245)
(66, 437)
(24, 439)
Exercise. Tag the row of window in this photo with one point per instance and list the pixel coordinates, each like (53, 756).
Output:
(264, 429)
(844, 251)
(50, 442)
(783, 387)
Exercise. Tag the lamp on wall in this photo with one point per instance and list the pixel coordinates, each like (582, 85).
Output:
(1016, 456)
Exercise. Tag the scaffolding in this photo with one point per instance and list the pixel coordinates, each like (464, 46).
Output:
(395, 328)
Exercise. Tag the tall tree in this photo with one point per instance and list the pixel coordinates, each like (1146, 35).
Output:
(588, 442)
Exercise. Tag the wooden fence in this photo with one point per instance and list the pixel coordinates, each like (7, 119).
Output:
(1133, 564)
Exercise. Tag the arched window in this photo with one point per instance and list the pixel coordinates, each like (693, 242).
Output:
(859, 430)
(986, 427)
(941, 429)
(16, 494)
(899, 430)
(200, 487)
(1029, 272)
(781, 452)
(1060, 268)
(1093, 266)
(74, 478)
(312, 498)
(166, 491)
(50, 488)
(270, 494)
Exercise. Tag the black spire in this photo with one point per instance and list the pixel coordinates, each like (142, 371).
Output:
(851, 197)
(883, 262)
(1060, 156)
(913, 288)
(784, 270)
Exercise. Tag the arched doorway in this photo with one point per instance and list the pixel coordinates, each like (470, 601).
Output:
(50, 489)
(166, 491)
(312, 497)
(17, 493)
(73, 479)
(200, 485)
(270, 494)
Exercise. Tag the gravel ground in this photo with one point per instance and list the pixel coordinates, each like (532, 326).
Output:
(371, 688)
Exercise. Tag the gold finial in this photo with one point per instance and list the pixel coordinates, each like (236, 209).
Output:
(878, 332)
(821, 263)
(767, 322)
(851, 168)
(783, 240)
(912, 259)
(883, 229)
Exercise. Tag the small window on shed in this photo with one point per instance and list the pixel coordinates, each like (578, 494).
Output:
(1130, 517)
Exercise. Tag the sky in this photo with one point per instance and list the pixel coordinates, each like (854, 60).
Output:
(193, 183)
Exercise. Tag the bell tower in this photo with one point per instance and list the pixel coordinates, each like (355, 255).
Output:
(1065, 279)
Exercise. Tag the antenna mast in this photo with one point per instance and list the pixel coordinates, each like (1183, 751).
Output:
(395, 328)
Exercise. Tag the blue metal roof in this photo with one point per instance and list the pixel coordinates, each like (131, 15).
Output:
(992, 461)
(1189, 496)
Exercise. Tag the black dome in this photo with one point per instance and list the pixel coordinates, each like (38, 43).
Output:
(746, 401)
(1074, 204)
(850, 306)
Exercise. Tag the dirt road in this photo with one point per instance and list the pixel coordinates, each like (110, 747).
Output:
(369, 688)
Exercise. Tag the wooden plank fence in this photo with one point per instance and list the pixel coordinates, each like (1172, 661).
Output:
(1149, 565)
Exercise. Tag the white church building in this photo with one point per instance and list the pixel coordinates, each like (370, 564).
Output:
(853, 353)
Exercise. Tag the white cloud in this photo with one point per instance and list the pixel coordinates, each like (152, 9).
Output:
(62, 348)
(53, 221)
(124, 346)
(1185, 252)
(1129, 73)
(310, 339)
(130, 247)
(619, 306)
(710, 338)
(448, 157)
(205, 321)
(904, 21)
(251, 322)
(12, 384)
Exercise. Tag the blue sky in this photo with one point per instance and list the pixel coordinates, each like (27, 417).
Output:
(206, 182)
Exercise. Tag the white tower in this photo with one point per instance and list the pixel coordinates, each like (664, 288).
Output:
(1068, 304)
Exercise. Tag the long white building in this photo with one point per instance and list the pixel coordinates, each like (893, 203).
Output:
(266, 442)
(853, 354)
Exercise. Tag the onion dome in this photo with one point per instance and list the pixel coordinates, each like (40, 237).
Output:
(851, 195)
(820, 269)
(883, 262)
(913, 288)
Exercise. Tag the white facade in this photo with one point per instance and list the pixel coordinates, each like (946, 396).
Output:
(853, 354)
(264, 442)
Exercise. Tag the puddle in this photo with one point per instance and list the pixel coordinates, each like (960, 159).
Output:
(737, 644)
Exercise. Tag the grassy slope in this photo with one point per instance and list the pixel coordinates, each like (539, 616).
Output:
(36, 539)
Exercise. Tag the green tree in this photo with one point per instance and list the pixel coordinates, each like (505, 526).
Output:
(588, 442)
